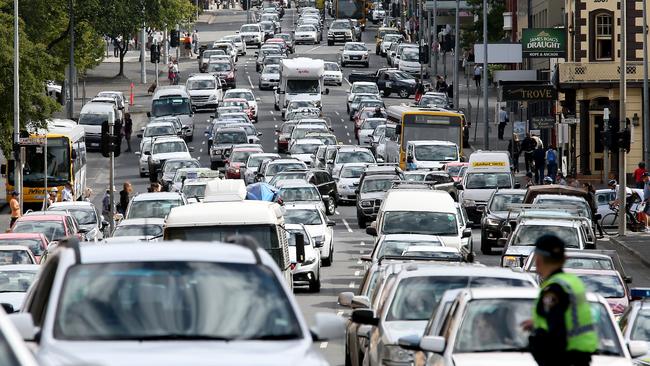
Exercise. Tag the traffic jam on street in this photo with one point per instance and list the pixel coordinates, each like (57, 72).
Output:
(301, 190)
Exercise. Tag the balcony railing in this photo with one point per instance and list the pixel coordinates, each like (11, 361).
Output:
(598, 72)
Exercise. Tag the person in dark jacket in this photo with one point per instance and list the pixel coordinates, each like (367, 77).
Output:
(125, 197)
(539, 156)
(128, 130)
(528, 145)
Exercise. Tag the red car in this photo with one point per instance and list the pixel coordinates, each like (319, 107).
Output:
(237, 158)
(239, 102)
(36, 242)
(456, 170)
(53, 225)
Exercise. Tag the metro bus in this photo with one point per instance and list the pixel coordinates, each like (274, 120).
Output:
(66, 162)
(414, 123)
(350, 9)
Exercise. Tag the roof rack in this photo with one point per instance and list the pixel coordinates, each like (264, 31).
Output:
(406, 184)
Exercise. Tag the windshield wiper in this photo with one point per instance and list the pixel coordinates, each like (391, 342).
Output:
(272, 337)
(171, 337)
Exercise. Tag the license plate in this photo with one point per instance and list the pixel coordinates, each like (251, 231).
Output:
(355, 58)
(94, 144)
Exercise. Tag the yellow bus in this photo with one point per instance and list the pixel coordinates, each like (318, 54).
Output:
(415, 123)
(66, 162)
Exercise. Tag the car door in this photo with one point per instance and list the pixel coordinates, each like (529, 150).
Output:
(325, 184)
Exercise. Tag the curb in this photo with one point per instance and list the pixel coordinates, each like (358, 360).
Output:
(634, 252)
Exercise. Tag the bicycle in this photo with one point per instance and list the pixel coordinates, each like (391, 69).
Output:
(631, 221)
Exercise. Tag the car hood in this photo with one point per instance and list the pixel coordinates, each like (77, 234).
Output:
(519, 250)
(13, 298)
(429, 164)
(372, 195)
(165, 156)
(306, 158)
(310, 252)
(501, 215)
(305, 33)
(478, 195)
(163, 353)
(302, 96)
(450, 240)
(394, 330)
(355, 53)
(271, 76)
(202, 92)
(409, 63)
(522, 359)
(315, 230)
(348, 181)
(333, 73)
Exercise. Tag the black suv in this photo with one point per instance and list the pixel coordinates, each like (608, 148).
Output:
(495, 214)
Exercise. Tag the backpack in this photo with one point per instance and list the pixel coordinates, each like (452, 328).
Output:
(551, 156)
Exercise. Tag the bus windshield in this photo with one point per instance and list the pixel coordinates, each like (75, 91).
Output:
(58, 164)
(303, 86)
(170, 107)
(431, 127)
(352, 9)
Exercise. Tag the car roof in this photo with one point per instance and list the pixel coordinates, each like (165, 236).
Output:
(598, 272)
(167, 138)
(560, 197)
(431, 142)
(71, 204)
(308, 141)
(142, 221)
(364, 83)
(419, 200)
(224, 213)
(470, 270)
(153, 196)
(509, 191)
(20, 267)
(478, 293)
(410, 237)
(295, 183)
(548, 222)
(13, 247)
(302, 205)
(159, 123)
(11, 235)
(201, 76)
(46, 216)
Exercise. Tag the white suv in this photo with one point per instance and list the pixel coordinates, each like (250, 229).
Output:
(205, 91)
(252, 34)
(123, 304)
(161, 149)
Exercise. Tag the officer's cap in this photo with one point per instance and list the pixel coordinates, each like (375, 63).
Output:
(550, 246)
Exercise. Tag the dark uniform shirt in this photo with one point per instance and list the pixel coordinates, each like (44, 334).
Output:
(549, 347)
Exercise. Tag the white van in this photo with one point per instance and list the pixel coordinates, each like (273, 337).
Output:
(226, 213)
(173, 100)
(487, 172)
(424, 212)
(91, 117)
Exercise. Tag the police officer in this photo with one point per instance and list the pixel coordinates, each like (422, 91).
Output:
(563, 330)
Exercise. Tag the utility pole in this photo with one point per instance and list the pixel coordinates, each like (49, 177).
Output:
(111, 175)
(143, 55)
(646, 98)
(621, 120)
(178, 46)
(71, 66)
(606, 167)
(435, 36)
(486, 114)
(456, 53)
(18, 166)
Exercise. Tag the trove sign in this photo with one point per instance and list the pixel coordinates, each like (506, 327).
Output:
(543, 42)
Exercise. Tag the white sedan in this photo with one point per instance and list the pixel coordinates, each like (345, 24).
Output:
(312, 216)
(306, 33)
(333, 74)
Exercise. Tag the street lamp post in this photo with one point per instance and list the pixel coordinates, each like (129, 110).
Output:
(621, 120)
(456, 53)
(18, 171)
(646, 98)
(486, 113)
(71, 66)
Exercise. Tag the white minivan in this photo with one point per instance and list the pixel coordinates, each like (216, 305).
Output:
(91, 118)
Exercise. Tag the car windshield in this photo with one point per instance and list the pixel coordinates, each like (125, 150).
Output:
(303, 86)
(371, 123)
(434, 101)
(16, 281)
(240, 156)
(352, 171)
(254, 161)
(304, 148)
(365, 88)
(400, 75)
(641, 326)
(18, 256)
(169, 147)
(355, 47)
(240, 95)
(494, 325)
(299, 194)
(359, 156)
(436, 153)
(219, 67)
(274, 169)
(303, 216)
(53, 230)
(392, 37)
(174, 300)
(233, 137)
(488, 180)
(172, 166)
(271, 69)
(399, 247)
(306, 28)
(149, 209)
(92, 119)
(35, 245)
(419, 222)
(283, 176)
(501, 202)
(138, 230)
(528, 234)
(606, 285)
(331, 66)
(267, 26)
(201, 84)
(159, 131)
(194, 190)
(294, 104)
(589, 263)
(340, 25)
(377, 185)
(582, 206)
(454, 170)
(410, 56)
(249, 29)
(84, 216)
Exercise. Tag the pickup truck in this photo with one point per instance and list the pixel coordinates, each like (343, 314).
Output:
(388, 80)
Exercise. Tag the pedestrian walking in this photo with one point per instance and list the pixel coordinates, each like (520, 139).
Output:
(128, 130)
(14, 206)
(419, 91)
(529, 181)
(503, 121)
(195, 41)
(52, 196)
(125, 197)
(514, 148)
(539, 156)
(441, 84)
(478, 72)
(187, 42)
(66, 194)
(173, 74)
(450, 91)
(528, 146)
(551, 162)
(106, 203)
(646, 200)
(638, 175)
(563, 330)
(593, 204)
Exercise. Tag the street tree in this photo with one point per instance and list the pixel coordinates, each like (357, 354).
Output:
(472, 33)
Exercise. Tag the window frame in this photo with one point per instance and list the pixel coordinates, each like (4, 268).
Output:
(596, 37)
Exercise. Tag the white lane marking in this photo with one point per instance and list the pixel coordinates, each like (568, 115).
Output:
(323, 344)
(337, 113)
(347, 226)
(349, 141)
(336, 212)
(313, 49)
(346, 127)
(339, 313)
(275, 119)
(342, 120)
(251, 82)
(202, 142)
(351, 285)
(347, 81)
(276, 126)
(271, 112)
(356, 273)
(348, 133)
(199, 158)
(200, 150)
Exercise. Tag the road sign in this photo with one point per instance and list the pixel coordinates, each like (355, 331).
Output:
(447, 5)
(30, 141)
(571, 121)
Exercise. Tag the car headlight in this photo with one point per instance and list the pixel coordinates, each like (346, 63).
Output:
(510, 261)
(469, 203)
(366, 204)
(217, 151)
(493, 222)
(264, 78)
(396, 355)
(212, 97)
(309, 261)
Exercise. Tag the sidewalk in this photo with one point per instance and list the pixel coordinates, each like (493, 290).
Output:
(638, 244)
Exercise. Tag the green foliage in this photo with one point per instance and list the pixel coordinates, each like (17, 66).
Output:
(473, 32)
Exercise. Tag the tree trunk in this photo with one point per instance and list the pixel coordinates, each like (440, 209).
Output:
(123, 48)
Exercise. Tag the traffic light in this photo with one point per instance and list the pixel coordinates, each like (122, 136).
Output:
(174, 38)
(625, 139)
(154, 51)
(109, 141)
(424, 54)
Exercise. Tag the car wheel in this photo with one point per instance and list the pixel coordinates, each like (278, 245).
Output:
(213, 165)
(361, 222)
(367, 65)
(314, 285)
(348, 361)
(326, 262)
(330, 43)
(142, 175)
(331, 206)
(386, 93)
(403, 93)
(340, 83)
(486, 248)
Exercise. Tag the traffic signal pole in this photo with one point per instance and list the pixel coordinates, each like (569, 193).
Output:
(606, 167)
(622, 119)
(111, 178)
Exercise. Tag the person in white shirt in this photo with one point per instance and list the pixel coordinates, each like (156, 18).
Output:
(503, 121)
(66, 193)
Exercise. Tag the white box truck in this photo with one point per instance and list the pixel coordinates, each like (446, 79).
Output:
(300, 79)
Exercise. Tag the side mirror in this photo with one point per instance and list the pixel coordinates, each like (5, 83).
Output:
(191, 148)
(331, 223)
(598, 217)
(459, 186)
(83, 230)
(8, 308)
(467, 233)
(327, 91)
(24, 324)
(328, 326)
(502, 242)
(627, 279)
(360, 302)
(371, 231)
(637, 348)
(410, 342)
(366, 258)
(139, 135)
(104, 224)
(517, 185)
(434, 344)
(300, 247)
(138, 153)
(345, 299)
(364, 316)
